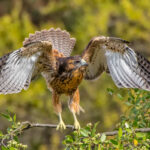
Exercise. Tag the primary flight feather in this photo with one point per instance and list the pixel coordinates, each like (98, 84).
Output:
(48, 52)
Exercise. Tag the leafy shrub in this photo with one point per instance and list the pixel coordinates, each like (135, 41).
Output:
(126, 136)
(10, 141)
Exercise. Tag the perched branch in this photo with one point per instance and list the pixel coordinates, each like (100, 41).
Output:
(27, 125)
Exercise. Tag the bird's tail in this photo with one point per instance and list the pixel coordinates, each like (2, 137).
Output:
(60, 40)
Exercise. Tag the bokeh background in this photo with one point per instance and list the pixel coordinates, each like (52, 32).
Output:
(84, 19)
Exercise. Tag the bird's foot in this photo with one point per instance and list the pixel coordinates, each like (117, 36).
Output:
(61, 126)
(77, 125)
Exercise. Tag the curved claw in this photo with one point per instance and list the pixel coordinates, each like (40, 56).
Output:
(77, 125)
(61, 126)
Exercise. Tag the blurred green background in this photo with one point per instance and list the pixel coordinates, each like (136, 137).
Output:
(84, 19)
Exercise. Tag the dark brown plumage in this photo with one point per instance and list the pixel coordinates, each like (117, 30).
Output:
(48, 53)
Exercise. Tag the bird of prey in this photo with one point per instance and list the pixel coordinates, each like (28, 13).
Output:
(48, 52)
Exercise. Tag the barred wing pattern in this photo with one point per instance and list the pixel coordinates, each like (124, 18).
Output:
(60, 40)
(16, 68)
(15, 73)
(127, 68)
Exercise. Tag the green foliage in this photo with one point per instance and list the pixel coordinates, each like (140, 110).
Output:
(9, 140)
(137, 116)
(138, 112)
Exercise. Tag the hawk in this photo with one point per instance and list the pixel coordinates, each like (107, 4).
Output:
(48, 52)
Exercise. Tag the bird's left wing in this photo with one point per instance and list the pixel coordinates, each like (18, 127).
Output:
(127, 68)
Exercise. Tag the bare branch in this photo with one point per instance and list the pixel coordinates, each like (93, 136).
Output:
(112, 133)
(27, 125)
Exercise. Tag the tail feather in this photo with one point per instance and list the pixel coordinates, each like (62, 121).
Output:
(60, 40)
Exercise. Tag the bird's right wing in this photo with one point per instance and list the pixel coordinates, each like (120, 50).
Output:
(127, 68)
(16, 68)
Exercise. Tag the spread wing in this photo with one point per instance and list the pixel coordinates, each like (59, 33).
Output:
(16, 68)
(127, 68)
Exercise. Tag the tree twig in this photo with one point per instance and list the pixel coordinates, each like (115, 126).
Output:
(112, 133)
(27, 125)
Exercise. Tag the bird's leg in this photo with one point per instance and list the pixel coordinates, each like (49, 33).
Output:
(58, 109)
(75, 107)
(76, 122)
(61, 124)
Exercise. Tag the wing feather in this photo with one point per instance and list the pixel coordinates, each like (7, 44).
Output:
(16, 68)
(14, 73)
(113, 72)
(127, 68)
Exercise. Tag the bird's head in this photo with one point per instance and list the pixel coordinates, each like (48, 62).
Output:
(78, 62)
(73, 63)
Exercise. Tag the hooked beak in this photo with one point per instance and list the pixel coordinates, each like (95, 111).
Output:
(83, 63)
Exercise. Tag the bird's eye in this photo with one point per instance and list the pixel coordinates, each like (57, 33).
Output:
(77, 61)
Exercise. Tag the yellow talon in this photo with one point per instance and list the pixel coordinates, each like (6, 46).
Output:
(61, 124)
(77, 125)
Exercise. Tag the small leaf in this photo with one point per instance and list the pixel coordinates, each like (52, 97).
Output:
(94, 129)
(7, 116)
(84, 132)
(141, 135)
(68, 139)
(103, 137)
(114, 142)
(16, 138)
(120, 133)
(110, 91)
(14, 118)
(120, 96)
(86, 140)
(129, 131)
(128, 104)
